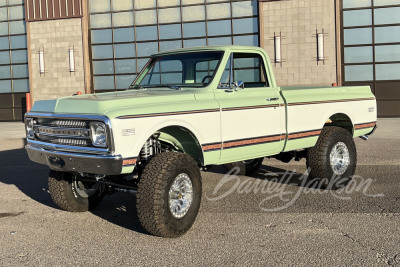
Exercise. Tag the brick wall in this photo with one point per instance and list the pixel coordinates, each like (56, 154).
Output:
(298, 21)
(56, 37)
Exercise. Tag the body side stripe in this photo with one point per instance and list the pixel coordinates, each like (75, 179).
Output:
(168, 113)
(253, 141)
(364, 125)
(259, 140)
(195, 111)
(329, 101)
(251, 107)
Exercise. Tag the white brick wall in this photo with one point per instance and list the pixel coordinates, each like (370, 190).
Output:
(298, 21)
(56, 37)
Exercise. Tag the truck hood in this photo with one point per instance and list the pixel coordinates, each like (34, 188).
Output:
(104, 103)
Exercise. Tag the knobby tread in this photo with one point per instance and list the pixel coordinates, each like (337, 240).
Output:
(316, 159)
(57, 186)
(152, 189)
(61, 193)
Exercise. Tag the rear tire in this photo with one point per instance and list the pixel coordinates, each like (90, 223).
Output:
(246, 167)
(70, 194)
(169, 194)
(333, 159)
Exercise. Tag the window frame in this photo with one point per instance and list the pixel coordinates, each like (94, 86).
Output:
(263, 70)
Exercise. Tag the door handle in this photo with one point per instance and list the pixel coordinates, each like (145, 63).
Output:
(273, 99)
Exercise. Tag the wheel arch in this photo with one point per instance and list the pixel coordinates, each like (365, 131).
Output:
(340, 119)
(184, 139)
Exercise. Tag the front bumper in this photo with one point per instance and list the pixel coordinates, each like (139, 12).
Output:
(74, 162)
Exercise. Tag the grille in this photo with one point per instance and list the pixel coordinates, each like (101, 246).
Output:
(67, 132)
(68, 123)
(64, 140)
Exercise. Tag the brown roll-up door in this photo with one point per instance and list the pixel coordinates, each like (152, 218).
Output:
(52, 9)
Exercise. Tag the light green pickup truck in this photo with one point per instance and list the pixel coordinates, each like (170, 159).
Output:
(190, 109)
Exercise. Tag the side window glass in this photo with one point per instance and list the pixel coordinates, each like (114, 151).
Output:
(250, 69)
(224, 82)
(204, 70)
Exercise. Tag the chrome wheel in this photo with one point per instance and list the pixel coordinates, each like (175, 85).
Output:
(340, 158)
(180, 195)
(85, 189)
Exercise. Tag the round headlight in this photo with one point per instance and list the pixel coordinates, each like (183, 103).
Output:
(98, 134)
(29, 128)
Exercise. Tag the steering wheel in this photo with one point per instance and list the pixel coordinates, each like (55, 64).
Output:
(205, 78)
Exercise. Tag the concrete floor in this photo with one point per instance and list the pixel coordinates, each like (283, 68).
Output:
(359, 226)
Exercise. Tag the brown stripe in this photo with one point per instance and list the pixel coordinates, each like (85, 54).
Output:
(194, 111)
(329, 101)
(260, 140)
(304, 134)
(253, 141)
(366, 125)
(251, 107)
(167, 114)
(212, 147)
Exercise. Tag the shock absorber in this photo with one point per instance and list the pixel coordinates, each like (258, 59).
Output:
(148, 150)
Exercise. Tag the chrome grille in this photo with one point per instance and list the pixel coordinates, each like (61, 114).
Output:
(67, 123)
(64, 140)
(69, 132)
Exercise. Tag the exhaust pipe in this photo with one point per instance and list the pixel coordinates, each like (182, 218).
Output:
(364, 137)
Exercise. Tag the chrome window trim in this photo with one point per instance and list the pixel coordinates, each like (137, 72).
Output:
(86, 117)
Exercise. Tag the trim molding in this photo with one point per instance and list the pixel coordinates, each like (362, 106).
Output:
(259, 140)
(196, 111)
(365, 125)
(330, 101)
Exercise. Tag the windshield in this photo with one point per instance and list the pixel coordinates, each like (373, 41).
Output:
(180, 70)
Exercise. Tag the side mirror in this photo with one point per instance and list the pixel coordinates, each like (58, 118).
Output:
(239, 84)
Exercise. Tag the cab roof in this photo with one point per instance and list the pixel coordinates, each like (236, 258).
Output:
(209, 48)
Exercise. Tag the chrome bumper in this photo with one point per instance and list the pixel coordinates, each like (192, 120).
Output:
(74, 162)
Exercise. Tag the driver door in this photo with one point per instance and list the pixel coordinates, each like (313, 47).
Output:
(252, 117)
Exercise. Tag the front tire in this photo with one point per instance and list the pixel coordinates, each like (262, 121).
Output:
(333, 159)
(169, 194)
(72, 195)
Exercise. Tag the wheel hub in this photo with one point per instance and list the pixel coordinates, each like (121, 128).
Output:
(340, 158)
(180, 195)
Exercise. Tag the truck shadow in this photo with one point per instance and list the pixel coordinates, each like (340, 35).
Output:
(275, 174)
(31, 179)
(120, 209)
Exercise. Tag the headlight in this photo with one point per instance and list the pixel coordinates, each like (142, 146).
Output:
(29, 122)
(98, 134)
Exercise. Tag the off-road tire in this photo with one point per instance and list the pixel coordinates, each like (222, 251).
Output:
(64, 193)
(246, 167)
(153, 190)
(318, 158)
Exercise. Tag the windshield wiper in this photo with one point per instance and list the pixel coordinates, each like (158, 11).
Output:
(137, 86)
(175, 87)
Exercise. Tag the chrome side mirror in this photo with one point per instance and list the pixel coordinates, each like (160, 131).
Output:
(238, 84)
